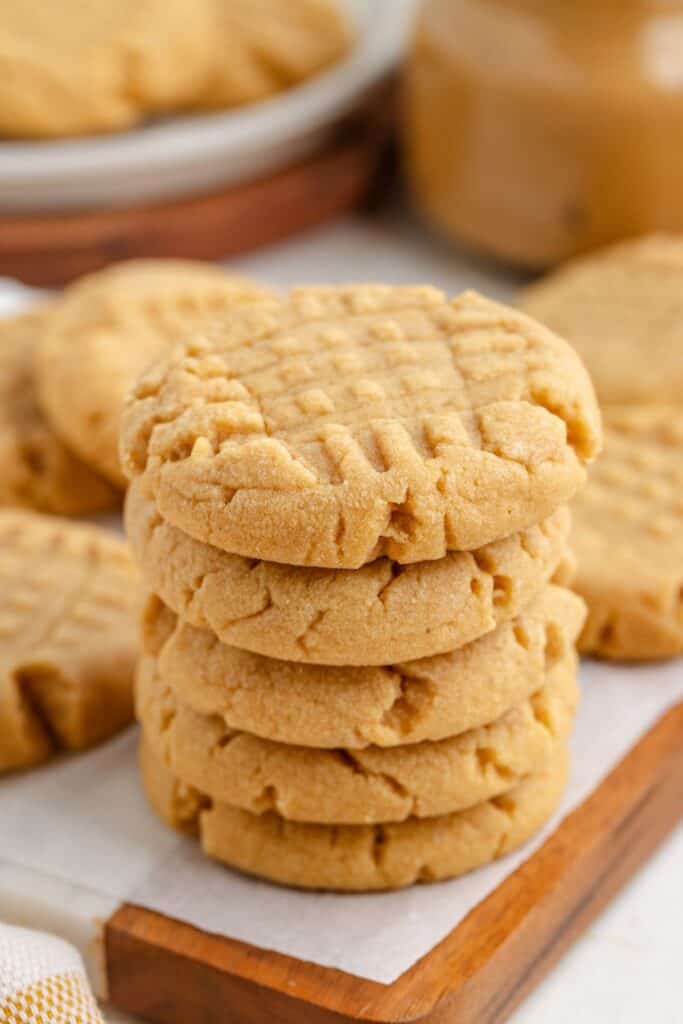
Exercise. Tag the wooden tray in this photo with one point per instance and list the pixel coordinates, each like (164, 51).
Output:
(53, 249)
(174, 974)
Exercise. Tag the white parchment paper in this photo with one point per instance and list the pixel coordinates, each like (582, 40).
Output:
(85, 820)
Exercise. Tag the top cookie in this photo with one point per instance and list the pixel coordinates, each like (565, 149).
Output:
(623, 310)
(264, 46)
(36, 470)
(342, 424)
(108, 328)
(69, 68)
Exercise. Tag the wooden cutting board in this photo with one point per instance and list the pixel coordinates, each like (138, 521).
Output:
(171, 973)
(51, 250)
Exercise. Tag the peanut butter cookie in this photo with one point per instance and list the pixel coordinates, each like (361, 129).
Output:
(36, 469)
(345, 424)
(357, 857)
(108, 328)
(330, 706)
(344, 787)
(628, 536)
(71, 68)
(68, 636)
(375, 615)
(265, 46)
(622, 309)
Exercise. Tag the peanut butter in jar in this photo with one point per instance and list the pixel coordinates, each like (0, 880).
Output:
(538, 129)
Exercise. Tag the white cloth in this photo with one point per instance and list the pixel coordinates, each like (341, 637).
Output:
(42, 980)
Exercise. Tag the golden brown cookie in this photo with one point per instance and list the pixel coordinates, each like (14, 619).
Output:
(68, 636)
(361, 786)
(108, 328)
(265, 46)
(628, 536)
(358, 857)
(344, 424)
(36, 470)
(375, 615)
(330, 706)
(622, 309)
(70, 68)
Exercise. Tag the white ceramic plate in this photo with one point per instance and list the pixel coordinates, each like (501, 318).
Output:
(181, 155)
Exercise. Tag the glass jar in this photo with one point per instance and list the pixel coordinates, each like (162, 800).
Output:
(538, 129)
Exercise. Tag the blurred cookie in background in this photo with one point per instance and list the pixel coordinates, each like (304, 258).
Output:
(36, 469)
(74, 68)
(108, 328)
(628, 536)
(68, 637)
(622, 309)
(265, 46)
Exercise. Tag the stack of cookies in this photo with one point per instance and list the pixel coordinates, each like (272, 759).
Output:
(349, 505)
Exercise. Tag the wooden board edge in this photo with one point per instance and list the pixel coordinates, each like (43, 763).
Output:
(172, 973)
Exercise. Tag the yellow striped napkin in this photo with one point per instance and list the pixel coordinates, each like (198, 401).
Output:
(42, 981)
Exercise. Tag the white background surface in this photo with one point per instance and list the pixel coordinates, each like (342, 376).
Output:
(626, 969)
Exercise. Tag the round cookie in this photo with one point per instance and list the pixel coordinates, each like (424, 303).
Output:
(628, 536)
(36, 469)
(70, 68)
(622, 309)
(331, 706)
(264, 46)
(68, 636)
(344, 424)
(367, 786)
(375, 615)
(358, 857)
(108, 328)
